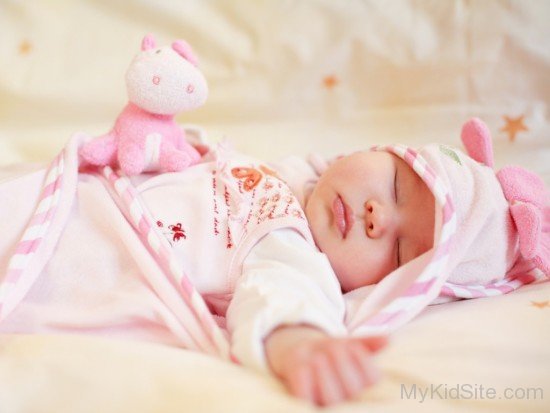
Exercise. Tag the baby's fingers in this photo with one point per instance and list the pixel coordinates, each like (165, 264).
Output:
(301, 381)
(364, 361)
(328, 387)
(349, 373)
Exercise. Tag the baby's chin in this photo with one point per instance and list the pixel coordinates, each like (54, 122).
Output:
(315, 225)
(319, 241)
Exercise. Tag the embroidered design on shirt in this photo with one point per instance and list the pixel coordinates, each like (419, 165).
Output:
(269, 171)
(176, 232)
(228, 209)
(254, 194)
(450, 153)
(252, 177)
(216, 212)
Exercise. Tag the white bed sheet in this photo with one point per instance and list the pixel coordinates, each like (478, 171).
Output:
(499, 343)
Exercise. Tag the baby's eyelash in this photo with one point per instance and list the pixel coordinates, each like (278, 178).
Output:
(395, 186)
(398, 253)
(397, 241)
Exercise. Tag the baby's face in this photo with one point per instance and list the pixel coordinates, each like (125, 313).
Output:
(370, 213)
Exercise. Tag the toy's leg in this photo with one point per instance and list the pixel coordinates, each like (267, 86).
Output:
(100, 151)
(131, 159)
(173, 160)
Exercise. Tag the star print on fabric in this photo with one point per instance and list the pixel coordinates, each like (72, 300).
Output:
(540, 304)
(513, 126)
(25, 47)
(330, 81)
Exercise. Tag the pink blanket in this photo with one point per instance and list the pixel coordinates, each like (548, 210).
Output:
(105, 245)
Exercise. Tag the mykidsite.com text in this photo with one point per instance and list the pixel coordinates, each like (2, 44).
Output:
(445, 391)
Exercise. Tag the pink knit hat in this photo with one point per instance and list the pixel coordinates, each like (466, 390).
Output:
(492, 234)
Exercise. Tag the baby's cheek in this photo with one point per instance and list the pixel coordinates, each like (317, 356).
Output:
(364, 266)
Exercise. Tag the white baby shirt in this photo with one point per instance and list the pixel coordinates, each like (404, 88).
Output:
(282, 278)
(285, 280)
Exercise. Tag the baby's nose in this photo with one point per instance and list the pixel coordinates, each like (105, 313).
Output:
(376, 219)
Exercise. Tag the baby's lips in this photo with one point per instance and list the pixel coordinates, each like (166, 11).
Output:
(190, 88)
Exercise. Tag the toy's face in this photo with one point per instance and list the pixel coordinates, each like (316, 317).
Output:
(163, 82)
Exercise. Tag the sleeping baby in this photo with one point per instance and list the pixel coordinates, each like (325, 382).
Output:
(374, 216)
(305, 266)
(274, 250)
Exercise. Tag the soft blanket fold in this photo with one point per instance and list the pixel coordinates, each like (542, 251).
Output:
(173, 298)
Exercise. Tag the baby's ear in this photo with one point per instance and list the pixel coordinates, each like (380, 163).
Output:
(477, 141)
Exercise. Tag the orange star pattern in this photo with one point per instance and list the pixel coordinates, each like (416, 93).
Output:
(540, 304)
(330, 81)
(513, 126)
(25, 47)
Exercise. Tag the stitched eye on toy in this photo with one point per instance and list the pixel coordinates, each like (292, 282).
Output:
(158, 51)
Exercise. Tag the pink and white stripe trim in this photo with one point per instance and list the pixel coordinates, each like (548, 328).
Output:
(500, 287)
(18, 280)
(427, 285)
(205, 333)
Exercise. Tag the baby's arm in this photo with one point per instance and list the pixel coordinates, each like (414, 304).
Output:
(320, 368)
(286, 285)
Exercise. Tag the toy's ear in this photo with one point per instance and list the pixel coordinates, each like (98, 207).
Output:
(477, 141)
(184, 50)
(148, 42)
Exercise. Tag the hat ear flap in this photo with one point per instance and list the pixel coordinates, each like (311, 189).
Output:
(519, 184)
(528, 222)
(534, 243)
(477, 141)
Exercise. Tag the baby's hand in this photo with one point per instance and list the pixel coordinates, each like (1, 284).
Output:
(322, 369)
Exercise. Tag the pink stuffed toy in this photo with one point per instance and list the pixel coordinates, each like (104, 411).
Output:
(160, 82)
